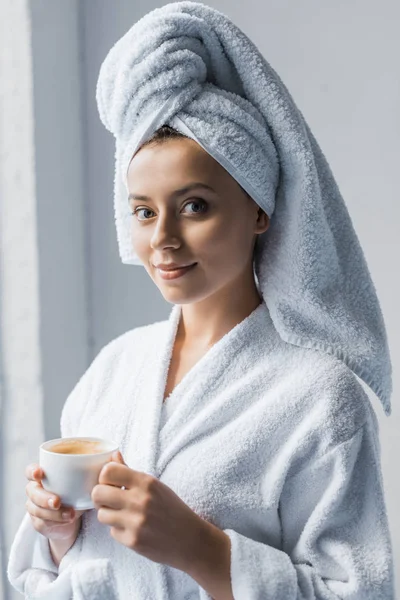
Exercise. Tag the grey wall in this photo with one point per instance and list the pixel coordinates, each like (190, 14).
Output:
(338, 61)
(60, 191)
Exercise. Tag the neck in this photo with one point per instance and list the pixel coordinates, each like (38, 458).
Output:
(204, 323)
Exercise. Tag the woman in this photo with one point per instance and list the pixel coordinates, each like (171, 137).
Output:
(249, 463)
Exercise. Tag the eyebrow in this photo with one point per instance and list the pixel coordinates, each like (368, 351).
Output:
(176, 193)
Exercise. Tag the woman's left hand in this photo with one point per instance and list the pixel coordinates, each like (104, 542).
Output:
(147, 516)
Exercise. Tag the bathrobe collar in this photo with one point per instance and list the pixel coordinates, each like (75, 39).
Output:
(192, 394)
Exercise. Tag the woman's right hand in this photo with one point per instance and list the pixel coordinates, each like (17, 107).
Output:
(46, 511)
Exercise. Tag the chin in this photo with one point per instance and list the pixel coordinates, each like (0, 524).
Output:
(179, 296)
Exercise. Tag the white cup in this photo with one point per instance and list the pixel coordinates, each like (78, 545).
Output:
(72, 477)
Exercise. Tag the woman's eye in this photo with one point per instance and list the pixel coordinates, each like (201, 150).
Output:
(199, 202)
(137, 211)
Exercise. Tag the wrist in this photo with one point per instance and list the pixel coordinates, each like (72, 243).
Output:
(59, 548)
(212, 551)
(211, 569)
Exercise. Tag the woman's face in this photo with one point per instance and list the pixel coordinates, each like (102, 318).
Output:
(211, 226)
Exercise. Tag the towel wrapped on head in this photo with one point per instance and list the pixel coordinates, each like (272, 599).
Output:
(188, 66)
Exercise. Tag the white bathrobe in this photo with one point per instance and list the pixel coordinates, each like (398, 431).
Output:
(275, 444)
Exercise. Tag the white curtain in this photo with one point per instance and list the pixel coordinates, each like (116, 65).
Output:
(21, 397)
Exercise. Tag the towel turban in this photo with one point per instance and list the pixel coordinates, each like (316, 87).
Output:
(187, 65)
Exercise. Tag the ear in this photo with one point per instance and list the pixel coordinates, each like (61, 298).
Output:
(263, 221)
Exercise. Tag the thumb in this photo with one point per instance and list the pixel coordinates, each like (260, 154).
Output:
(117, 457)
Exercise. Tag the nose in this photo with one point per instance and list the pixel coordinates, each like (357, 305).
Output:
(166, 233)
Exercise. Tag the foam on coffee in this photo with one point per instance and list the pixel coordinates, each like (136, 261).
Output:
(78, 447)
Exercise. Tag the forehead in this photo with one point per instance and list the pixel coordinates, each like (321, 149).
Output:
(175, 159)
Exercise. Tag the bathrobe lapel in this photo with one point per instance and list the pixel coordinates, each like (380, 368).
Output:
(199, 397)
(147, 392)
(151, 445)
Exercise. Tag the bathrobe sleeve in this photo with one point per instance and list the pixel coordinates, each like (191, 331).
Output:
(335, 537)
(31, 569)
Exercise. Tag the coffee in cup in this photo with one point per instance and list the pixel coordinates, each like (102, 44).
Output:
(72, 467)
(75, 446)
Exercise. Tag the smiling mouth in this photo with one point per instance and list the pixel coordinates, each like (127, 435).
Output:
(174, 273)
(173, 268)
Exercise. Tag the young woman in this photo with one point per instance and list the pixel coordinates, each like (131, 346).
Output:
(249, 462)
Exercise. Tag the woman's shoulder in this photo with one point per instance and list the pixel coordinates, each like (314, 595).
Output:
(143, 334)
(111, 365)
(328, 397)
(324, 406)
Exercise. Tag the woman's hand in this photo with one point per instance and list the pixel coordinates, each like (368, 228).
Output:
(46, 511)
(147, 516)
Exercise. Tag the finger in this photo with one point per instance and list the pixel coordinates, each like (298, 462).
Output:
(109, 496)
(114, 473)
(33, 472)
(42, 498)
(64, 515)
(110, 517)
(117, 457)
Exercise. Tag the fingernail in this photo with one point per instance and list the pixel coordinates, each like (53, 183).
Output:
(51, 502)
(66, 515)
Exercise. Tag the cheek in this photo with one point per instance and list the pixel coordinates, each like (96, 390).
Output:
(208, 239)
(222, 246)
(140, 243)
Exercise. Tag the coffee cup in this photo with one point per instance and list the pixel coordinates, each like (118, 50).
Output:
(72, 467)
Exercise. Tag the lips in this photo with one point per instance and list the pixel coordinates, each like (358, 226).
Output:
(174, 267)
(175, 273)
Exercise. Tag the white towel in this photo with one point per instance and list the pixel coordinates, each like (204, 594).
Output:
(274, 444)
(187, 65)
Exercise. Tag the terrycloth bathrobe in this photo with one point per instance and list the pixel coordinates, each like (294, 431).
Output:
(275, 444)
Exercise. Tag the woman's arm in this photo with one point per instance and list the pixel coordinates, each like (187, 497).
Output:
(336, 542)
(31, 551)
